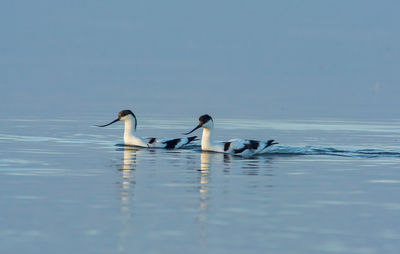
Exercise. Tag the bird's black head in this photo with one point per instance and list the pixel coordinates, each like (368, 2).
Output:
(125, 112)
(204, 121)
(121, 117)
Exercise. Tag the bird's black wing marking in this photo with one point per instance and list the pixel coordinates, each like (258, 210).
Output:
(270, 143)
(254, 144)
(240, 150)
(227, 145)
(152, 140)
(190, 139)
(170, 144)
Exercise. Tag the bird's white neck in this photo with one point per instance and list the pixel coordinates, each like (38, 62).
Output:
(130, 136)
(206, 139)
(129, 129)
(207, 143)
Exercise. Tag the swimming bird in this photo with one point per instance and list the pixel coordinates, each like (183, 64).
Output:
(244, 147)
(131, 137)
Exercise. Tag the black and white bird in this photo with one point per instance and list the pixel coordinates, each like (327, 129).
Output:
(242, 147)
(131, 137)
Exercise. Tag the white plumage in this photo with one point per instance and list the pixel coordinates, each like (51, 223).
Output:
(242, 147)
(131, 137)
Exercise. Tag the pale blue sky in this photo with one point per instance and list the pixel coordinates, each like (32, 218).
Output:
(261, 59)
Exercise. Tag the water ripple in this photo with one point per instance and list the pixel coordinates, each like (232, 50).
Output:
(344, 152)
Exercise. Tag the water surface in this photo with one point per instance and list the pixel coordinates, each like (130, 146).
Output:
(330, 186)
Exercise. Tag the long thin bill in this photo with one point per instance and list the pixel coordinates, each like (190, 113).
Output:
(198, 126)
(116, 120)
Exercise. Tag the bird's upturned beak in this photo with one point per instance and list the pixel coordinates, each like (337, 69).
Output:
(198, 126)
(116, 120)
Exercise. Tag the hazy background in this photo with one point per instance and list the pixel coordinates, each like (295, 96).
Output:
(278, 59)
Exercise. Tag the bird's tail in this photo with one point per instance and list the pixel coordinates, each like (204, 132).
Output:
(190, 139)
(270, 143)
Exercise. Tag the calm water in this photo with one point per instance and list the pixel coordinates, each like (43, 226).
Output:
(331, 186)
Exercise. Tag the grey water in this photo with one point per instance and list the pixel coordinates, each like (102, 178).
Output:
(330, 186)
(293, 71)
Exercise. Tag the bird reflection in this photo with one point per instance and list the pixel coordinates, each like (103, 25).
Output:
(128, 170)
(127, 184)
(204, 169)
(251, 166)
(227, 163)
(210, 164)
(205, 166)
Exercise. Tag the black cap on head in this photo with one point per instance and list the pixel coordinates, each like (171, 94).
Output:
(204, 118)
(125, 112)
(120, 115)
